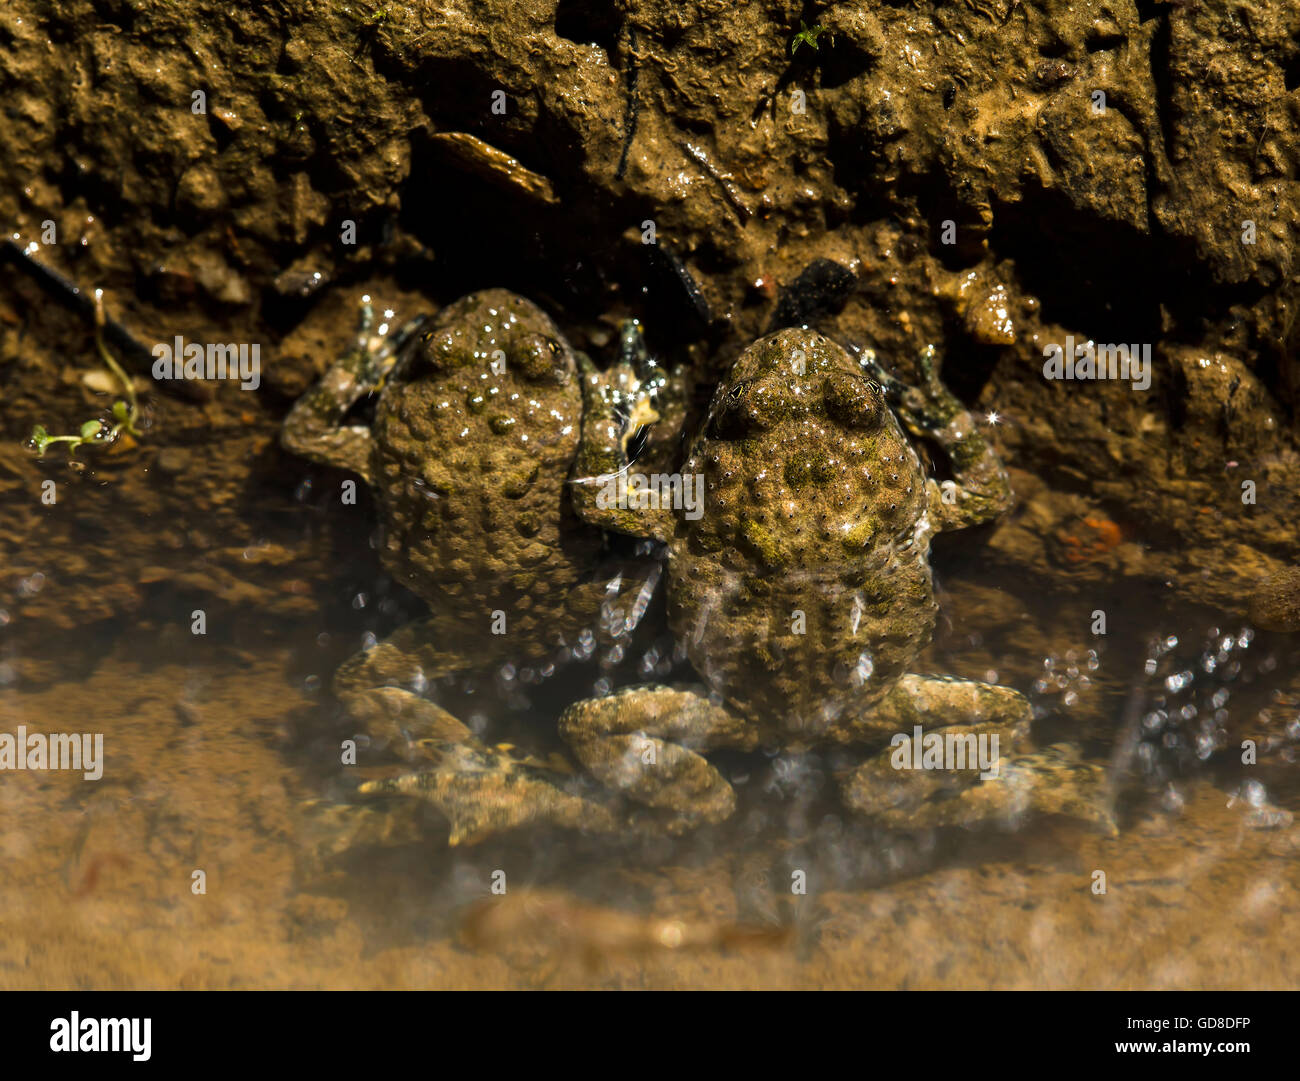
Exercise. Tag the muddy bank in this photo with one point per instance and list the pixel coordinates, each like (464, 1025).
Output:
(943, 174)
(991, 178)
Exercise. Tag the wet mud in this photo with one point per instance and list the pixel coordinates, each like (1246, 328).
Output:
(927, 174)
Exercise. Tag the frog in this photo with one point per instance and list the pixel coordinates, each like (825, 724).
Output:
(803, 594)
(477, 427)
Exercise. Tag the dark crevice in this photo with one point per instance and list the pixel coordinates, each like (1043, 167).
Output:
(1107, 281)
(589, 22)
(968, 379)
(1291, 72)
(565, 258)
(836, 59)
(1163, 81)
(632, 107)
(1053, 49)
(1071, 257)
(471, 243)
(841, 63)
(117, 13)
(1149, 9)
(221, 134)
(1099, 43)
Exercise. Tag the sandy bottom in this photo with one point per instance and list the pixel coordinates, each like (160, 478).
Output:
(97, 882)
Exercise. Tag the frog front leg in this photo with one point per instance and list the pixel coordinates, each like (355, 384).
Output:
(645, 742)
(966, 768)
(612, 486)
(660, 400)
(980, 490)
(314, 429)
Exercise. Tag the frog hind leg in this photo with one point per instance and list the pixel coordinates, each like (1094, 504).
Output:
(480, 790)
(483, 790)
(314, 429)
(382, 687)
(1002, 785)
(329, 828)
(645, 742)
(981, 489)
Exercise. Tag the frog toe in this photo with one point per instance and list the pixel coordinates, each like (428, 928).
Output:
(1060, 782)
(1052, 781)
(483, 791)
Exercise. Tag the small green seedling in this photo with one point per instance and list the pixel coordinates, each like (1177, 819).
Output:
(808, 35)
(97, 432)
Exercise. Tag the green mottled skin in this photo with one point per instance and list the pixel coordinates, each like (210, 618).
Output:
(815, 503)
(469, 456)
(803, 594)
(471, 470)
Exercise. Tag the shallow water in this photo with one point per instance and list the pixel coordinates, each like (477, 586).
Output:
(214, 746)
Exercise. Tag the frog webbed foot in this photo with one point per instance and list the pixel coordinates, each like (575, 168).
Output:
(314, 428)
(329, 828)
(969, 773)
(645, 741)
(1059, 781)
(483, 790)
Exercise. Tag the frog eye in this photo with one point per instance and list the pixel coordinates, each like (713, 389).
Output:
(737, 412)
(536, 355)
(441, 349)
(853, 401)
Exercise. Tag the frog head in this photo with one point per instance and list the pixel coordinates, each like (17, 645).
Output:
(473, 447)
(804, 464)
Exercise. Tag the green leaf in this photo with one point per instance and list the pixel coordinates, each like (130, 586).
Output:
(90, 429)
(120, 411)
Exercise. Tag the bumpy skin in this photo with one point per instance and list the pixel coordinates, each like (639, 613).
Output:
(803, 594)
(816, 518)
(471, 460)
(469, 455)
